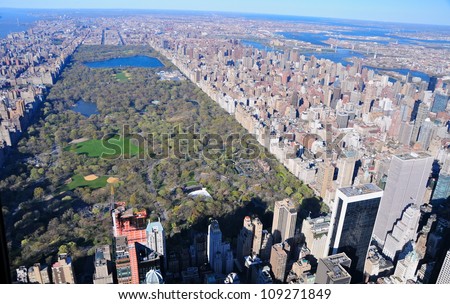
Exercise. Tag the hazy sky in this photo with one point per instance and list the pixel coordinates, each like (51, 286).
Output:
(411, 11)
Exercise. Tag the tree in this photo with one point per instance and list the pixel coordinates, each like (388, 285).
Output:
(38, 193)
(288, 191)
(63, 249)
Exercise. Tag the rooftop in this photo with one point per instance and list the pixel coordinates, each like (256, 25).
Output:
(413, 155)
(334, 264)
(360, 190)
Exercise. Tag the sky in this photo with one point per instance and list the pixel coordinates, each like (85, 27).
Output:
(407, 11)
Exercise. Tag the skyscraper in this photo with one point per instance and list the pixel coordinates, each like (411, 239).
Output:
(406, 183)
(422, 114)
(278, 260)
(444, 274)
(315, 232)
(440, 103)
(131, 225)
(354, 213)
(284, 220)
(220, 256)
(245, 241)
(406, 268)
(257, 235)
(404, 231)
(426, 133)
(346, 166)
(156, 238)
(442, 190)
(324, 177)
(102, 263)
(214, 241)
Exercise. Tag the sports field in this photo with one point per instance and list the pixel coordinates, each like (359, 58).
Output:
(111, 148)
(80, 181)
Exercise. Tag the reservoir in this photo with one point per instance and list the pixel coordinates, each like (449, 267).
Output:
(132, 62)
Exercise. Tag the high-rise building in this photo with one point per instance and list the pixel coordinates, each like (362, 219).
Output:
(132, 226)
(253, 266)
(440, 103)
(122, 260)
(342, 120)
(405, 134)
(199, 250)
(442, 190)
(315, 232)
(444, 274)
(148, 260)
(426, 133)
(422, 114)
(406, 268)
(404, 231)
(354, 213)
(62, 271)
(39, 274)
(333, 270)
(346, 167)
(245, 241)
(432, 83)
(284, 220)
(214, 241)
(156, 239)
(266, 245)
(220, 256)
(103, 267)
(406, 183)
(257, 235)
(324, 177)
(278, 260)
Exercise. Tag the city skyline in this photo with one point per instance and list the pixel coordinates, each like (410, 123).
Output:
(415, 12)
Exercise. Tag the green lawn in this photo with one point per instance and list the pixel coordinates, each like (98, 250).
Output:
(123, 76)
(79, 181)
(111, 148)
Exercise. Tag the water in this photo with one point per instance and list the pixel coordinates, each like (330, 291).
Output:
(313, 38)
(341, 55)
(136, 62)
(404, 72)
(85, 108)
(253, 44)
(14, 20)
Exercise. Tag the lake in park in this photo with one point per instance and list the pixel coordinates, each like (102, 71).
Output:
(85, 108)
(132, 62)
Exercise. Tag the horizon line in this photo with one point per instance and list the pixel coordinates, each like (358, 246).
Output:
(220, 11)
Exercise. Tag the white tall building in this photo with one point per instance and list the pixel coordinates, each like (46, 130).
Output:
(404, 231)
(220, 256)
(444, 274)
(214, 241)
(315, 232)
(406, 268)
(156, 238)
(406, 183)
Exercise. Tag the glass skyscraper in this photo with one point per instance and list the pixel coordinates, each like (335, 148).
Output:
(354, 213)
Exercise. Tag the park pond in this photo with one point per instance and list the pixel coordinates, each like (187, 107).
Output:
(85, 108)
(131, 62)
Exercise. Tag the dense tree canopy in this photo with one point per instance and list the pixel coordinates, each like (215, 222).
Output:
(42, 218)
